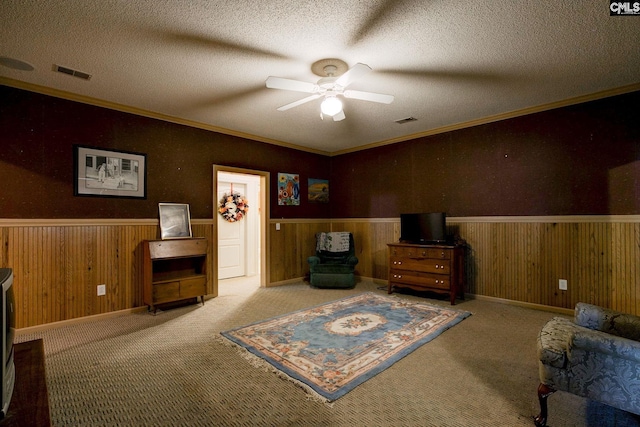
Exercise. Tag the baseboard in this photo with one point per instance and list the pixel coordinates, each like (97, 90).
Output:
(79, 320)
(296, 280)
(381, 282)
(541, 307)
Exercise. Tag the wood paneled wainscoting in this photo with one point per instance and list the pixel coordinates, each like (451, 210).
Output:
(521, 259)
(58, 265)
(291, 242)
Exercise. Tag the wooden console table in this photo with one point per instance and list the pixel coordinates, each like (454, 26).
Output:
(174, 270)
(435, 268)
(29, 405)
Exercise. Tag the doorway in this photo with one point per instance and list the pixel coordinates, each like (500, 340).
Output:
(241, 256)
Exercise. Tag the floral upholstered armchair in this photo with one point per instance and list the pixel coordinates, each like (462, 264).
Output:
(334, 263)
(596, 356)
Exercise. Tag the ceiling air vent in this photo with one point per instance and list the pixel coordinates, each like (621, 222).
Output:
(403, 121)
(69, 71)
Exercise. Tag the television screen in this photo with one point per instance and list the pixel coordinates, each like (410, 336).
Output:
(423, 227)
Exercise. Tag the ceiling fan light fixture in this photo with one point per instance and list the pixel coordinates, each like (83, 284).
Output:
(331, 106)
(335, 77)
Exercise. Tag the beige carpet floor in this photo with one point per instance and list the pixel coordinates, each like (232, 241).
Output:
(170, 369)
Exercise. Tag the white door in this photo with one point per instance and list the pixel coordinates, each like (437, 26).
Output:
(231, 237)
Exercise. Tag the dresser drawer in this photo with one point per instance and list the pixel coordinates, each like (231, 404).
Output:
(437, 268)
(418, 252)
(193, 287)
(426, 280)
(429, 265)
(166, 291)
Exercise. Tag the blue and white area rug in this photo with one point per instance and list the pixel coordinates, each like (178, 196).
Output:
(332, 348)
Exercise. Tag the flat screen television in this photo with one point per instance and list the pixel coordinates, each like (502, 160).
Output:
(423, 228)
(8, 329)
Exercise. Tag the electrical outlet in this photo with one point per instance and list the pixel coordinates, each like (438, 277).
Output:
(102, 290)
(562, 284)
(277, 226)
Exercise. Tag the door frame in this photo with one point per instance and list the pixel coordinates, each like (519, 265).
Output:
(263, 205)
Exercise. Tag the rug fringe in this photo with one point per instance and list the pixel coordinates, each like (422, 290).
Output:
(260, 363)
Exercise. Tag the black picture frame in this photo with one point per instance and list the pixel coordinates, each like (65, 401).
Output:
(101, 172)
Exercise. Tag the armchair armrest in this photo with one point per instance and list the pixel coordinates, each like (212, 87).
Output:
(602, 342)
(352, 260)
(313, 260)
(607, 320)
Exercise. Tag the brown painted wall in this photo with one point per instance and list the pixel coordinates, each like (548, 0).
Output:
(577, 160)
(37, 134)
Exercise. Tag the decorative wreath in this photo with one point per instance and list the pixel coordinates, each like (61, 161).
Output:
(233, 207)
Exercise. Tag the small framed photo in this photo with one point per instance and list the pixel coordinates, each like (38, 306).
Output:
(175, 221)
(107, 173)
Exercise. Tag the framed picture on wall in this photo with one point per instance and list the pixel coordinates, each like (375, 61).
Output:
(107, 173)
(288, 189)
(318, 190)
(175, 221)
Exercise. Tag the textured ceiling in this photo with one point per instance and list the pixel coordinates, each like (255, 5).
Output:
(204, 63)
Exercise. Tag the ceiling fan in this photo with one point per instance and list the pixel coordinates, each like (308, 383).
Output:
(335, 78)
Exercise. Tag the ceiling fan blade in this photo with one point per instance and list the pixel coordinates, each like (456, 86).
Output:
(288, 84)
(192, 40)
(369, 96)
(339, 116)
(353, 74)
(375, 20)
(299, 102)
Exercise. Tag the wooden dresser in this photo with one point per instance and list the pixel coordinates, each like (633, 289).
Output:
(174, 270)
(435, 268)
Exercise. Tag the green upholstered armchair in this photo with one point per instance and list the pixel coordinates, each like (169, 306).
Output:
(334, 263)
(596, 356)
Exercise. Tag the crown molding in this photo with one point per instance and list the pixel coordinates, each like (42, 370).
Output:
(499, 117)
(43, 90)
(457, 126)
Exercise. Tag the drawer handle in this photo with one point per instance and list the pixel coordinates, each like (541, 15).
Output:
(399, 262)
(437, 281)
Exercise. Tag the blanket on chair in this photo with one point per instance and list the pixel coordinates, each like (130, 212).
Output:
(333, 241)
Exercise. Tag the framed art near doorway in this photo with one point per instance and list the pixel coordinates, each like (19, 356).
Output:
(107, 173)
